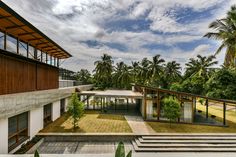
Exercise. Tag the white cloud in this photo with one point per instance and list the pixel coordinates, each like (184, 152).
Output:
(69, 22)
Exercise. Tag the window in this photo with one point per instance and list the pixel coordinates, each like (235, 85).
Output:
(17, 130)
(62, 102)
(47, 114)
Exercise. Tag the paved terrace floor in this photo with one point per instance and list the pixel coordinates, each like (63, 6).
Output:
(81, 147)
(138, 125)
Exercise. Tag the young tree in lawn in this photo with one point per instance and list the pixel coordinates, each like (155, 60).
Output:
(75, 109)
(171, 109)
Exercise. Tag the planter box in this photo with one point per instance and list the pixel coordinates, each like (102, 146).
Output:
(35, 147)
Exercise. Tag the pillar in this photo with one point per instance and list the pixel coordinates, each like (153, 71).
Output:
(206, 108)
(224, 113)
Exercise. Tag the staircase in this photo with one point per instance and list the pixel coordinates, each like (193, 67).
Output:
(185, 143)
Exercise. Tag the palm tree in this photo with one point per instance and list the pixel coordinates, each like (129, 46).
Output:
(172, 73)
(122, 75)
(226, 32)
(135, 71)
(103, 71)
(155, 69)
(202, 66)
(144, 74)
(84, 76)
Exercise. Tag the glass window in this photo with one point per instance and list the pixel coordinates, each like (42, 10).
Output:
(62, 103)
(17, 130)
(47, 116)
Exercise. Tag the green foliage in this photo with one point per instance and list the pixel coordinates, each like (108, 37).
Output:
(120, 151)
(75, 109)
(84, 76)
(201, 101)
(225, 31)
(194, 85)
(171, 108)
(36, 153)
(176, 87)
(222, 84)
(103, 71)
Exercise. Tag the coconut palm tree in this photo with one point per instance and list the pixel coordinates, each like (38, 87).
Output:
(84, 76)
(225, 31)
(103, 71)
(171, 74)
(135, 70)
(202, 66)
(156, 69)
(122, 75)
(144, 74)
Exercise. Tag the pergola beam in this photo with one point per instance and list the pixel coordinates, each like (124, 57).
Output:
(24, 34)
(14, 27)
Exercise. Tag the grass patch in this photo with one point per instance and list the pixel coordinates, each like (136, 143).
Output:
(91, 122)
(194, 128)
(218, 112)
(161, 127)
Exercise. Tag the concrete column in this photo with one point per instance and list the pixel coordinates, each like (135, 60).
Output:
(35, 121)
(4, 136)
(55, 110)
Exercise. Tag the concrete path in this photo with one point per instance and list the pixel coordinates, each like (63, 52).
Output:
(138, 125)
(81, 147)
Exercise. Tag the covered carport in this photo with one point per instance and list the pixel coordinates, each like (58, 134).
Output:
(111, 99)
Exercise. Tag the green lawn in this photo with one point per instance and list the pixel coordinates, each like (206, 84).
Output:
(161, 127)
(213, 110)
(190, 128)
(91, 122)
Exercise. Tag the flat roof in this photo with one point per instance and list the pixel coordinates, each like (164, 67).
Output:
(16, 26)
(113, 93)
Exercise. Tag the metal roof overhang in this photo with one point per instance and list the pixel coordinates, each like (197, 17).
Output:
(16, 26)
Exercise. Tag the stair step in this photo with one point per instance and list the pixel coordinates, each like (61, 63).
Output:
(178, 145)
(189, 141)
(187, 138)
(138, 149)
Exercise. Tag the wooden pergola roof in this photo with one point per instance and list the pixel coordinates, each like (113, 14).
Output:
(16, 26)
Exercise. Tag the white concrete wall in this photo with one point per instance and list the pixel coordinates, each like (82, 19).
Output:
(56, 110)
(4, 136)
(66, 102)
(149, 109)
(188, 112)
(35, 121)
(142, 108)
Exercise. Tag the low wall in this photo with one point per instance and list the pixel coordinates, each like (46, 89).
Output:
(78, 137)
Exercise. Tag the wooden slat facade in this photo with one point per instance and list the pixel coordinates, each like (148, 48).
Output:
(19, 74)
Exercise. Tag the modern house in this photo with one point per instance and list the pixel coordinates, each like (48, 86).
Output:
(30, 97)
(148, 101)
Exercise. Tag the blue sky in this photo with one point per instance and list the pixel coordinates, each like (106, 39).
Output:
(128, 30)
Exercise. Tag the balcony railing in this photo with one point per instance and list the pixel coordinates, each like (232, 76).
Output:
(69, 83)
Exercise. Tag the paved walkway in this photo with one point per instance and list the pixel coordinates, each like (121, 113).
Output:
(138, 125)
(81, 147)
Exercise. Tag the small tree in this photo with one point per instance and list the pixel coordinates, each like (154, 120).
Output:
(171, 109)
(75, 109)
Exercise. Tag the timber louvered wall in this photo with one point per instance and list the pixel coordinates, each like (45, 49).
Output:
(22, 75)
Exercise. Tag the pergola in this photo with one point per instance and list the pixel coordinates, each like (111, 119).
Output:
(26, 35)
(110, 94)
(156, 92)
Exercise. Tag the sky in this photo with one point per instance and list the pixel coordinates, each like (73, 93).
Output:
(128, 30)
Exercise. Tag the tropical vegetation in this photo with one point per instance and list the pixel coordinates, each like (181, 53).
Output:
(75, 109)
(200, 75)
(225, 30)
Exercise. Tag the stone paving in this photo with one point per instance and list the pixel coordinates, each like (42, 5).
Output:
(81, 147)
(138, 125)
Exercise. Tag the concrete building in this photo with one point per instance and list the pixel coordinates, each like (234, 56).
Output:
(30, 96)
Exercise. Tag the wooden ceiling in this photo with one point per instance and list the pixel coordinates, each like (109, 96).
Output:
(17, 27)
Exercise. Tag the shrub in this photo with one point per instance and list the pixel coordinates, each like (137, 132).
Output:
(75, 109)
(171, 108)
